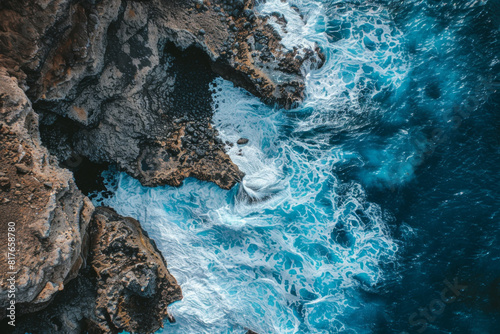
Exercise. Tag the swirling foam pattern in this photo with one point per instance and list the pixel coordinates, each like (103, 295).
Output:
(282, 251)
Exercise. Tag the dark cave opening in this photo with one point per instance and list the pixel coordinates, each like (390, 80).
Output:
(87, 175)
(188, 100)
(57, 135)
(192, 68)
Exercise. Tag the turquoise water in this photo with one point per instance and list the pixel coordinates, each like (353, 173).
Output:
(358, 204)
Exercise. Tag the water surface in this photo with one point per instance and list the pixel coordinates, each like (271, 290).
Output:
(359, 204)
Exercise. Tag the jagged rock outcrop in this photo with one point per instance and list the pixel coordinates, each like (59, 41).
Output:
(51, 220)
(126, 285)
(121, 81)
(134, 286)
(127, 83)
(51, 215)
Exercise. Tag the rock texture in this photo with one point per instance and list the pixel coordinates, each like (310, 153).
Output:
(134, 286)
(126, 285)
(121, 81)
(127, 83)
(51, 215)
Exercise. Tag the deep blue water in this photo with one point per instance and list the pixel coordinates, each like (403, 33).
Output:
(360, 207)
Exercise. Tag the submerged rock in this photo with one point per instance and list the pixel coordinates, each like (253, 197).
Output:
(242, 141)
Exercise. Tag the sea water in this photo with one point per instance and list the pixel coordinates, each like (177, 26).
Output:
(360, 204)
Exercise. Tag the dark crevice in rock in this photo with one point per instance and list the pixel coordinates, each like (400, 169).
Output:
(88, 175)
(192, 97)
(57, 133)
(125, 83)
(72, 305)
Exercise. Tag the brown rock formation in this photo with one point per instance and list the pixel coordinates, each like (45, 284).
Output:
(51, 215)
(109, 78)
(51, 219)
(126, 285)
(134, 286)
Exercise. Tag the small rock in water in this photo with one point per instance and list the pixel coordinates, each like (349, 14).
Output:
(170, 318)
(242, 141)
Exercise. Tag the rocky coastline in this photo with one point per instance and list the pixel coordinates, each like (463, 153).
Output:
(127, 84)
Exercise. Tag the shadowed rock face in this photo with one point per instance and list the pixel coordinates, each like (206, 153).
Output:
(119, 81)
(126, 83)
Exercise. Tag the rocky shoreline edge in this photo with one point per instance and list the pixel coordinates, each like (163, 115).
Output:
(128, 84)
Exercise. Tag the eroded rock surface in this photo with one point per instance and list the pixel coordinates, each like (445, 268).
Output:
(51, 215)
(126, 285)
(119, 81)
(134, 286)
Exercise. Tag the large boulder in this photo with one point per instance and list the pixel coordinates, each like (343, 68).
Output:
(134, 286)
(126, 285)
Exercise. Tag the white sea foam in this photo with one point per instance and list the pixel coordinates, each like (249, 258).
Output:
(261, 256)
(288, 249)
(291, 248)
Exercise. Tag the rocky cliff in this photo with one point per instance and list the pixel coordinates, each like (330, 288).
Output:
(126, 285)
(50, 214)
(123, 284)
(126, 83)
